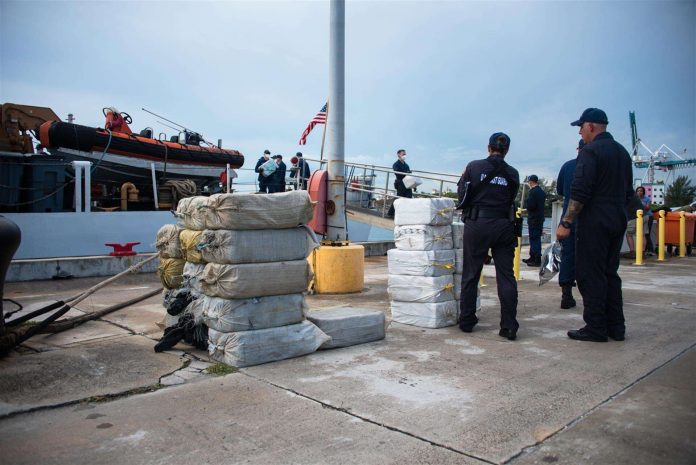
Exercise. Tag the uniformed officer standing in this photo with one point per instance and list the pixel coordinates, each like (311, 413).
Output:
(601, 189)
(536, 200)
(263, 183)
(400, 166)
(566, 275)
(489, 224)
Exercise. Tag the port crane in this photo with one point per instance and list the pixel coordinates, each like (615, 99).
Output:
(664, 158)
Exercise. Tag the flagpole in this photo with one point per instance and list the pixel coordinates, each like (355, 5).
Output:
(323, 136)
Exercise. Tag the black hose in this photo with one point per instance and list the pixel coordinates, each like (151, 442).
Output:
(29, 316)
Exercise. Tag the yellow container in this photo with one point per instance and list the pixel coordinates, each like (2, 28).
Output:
(338, 269)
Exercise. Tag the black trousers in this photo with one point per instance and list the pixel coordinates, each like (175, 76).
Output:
(497, 234)
(401, 191)
(597, 250)
(264, 185)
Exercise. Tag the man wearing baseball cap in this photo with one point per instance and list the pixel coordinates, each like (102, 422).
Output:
(566, 275)
(602, 187)
(536, 199)
(487, 191)
(263, 183)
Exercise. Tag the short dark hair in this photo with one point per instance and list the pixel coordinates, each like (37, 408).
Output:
(400, 150)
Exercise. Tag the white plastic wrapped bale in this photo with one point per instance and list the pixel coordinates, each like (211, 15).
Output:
(457, 234)
(190, 211)
(425, 315)
(192, 276)
(420, 262)
(248, 348)
(432, 211)
(246, 280)
(227, 315)
(423, 237)
(253, 211)
(167, 241)
(422, 289)
(257, 246)
(458, 261)
(349, 326)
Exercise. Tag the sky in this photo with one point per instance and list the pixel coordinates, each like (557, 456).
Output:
(434, 78)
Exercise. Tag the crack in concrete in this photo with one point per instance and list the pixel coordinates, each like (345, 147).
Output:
(533, 447)
(368, 420)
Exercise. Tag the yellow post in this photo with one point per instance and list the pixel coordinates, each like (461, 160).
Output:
(682, 234)
(661, 237)
(518, 250)
(481, 280)
(639, 237)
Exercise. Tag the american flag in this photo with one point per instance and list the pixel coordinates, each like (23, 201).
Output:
(320, 118)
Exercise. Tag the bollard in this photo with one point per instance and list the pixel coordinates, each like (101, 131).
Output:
(661, 237)
(639, 238)
(682, 235)
(481, 280)
(518, 250)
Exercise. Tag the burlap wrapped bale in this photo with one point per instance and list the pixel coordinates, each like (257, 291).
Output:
(432, 211)
(420, 262)
(192, 276)
(248, 348)
(256, 246)
(226, 315)
(191, 212)
(426, 314)
(246, 280)
(421, 288)
(167, 241)
(253, 211)
(170, 271)
(189, 240)
(423, 237)
(349, 326)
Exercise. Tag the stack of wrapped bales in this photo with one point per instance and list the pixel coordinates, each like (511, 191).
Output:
(170, 271)
(421, 268)
(246, 259)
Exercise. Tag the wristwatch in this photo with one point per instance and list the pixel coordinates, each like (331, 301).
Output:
(566, 224)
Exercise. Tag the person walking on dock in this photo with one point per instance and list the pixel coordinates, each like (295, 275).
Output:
(601, 189)
(535, 219)
(263, 181)
(400, 166)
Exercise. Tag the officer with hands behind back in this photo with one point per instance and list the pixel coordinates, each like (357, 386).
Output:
(487, 191)
(602, 187)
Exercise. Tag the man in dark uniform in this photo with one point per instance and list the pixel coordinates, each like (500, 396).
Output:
(601, 189)
(489, 224)
(263, 181)
(535, 219)
(277, 179)
(400, 166)
(566, 275)
(301, 170)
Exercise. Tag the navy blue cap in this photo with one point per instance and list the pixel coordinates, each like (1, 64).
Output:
(267, 152)
(499, 140)
(533, 177)
(581, 144)
(591, 115)
(298, 154)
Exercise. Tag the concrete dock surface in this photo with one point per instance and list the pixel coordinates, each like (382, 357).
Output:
(99, 394)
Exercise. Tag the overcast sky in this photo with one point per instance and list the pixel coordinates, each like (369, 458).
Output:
(435, 78)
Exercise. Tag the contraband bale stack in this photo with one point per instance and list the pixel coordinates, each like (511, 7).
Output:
(247, 272)
(421, 286)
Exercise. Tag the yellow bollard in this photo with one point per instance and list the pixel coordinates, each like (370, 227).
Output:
(518, 250)
(481, 280)
(661, 237)
(639, 237)
(682, 235)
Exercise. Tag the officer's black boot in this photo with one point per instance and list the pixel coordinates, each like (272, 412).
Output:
(567, 300)
(534, 260)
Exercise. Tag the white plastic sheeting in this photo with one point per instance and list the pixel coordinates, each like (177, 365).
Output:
(349, 326)
(459, 261)
(256, 246)
(423, 237)
(248, 348)
(254, 211)
(458, 234)
(420, 262)
(167, 241)
(432, 211)
(227, 315)
(420, 288)
(425, 315)
(255, 279)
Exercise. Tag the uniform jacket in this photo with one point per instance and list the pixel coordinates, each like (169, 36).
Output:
(565, 180)
(402, 167)
(499, 194)
(535, 206)
(260, 162)
(603, 183)
(302, 168)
